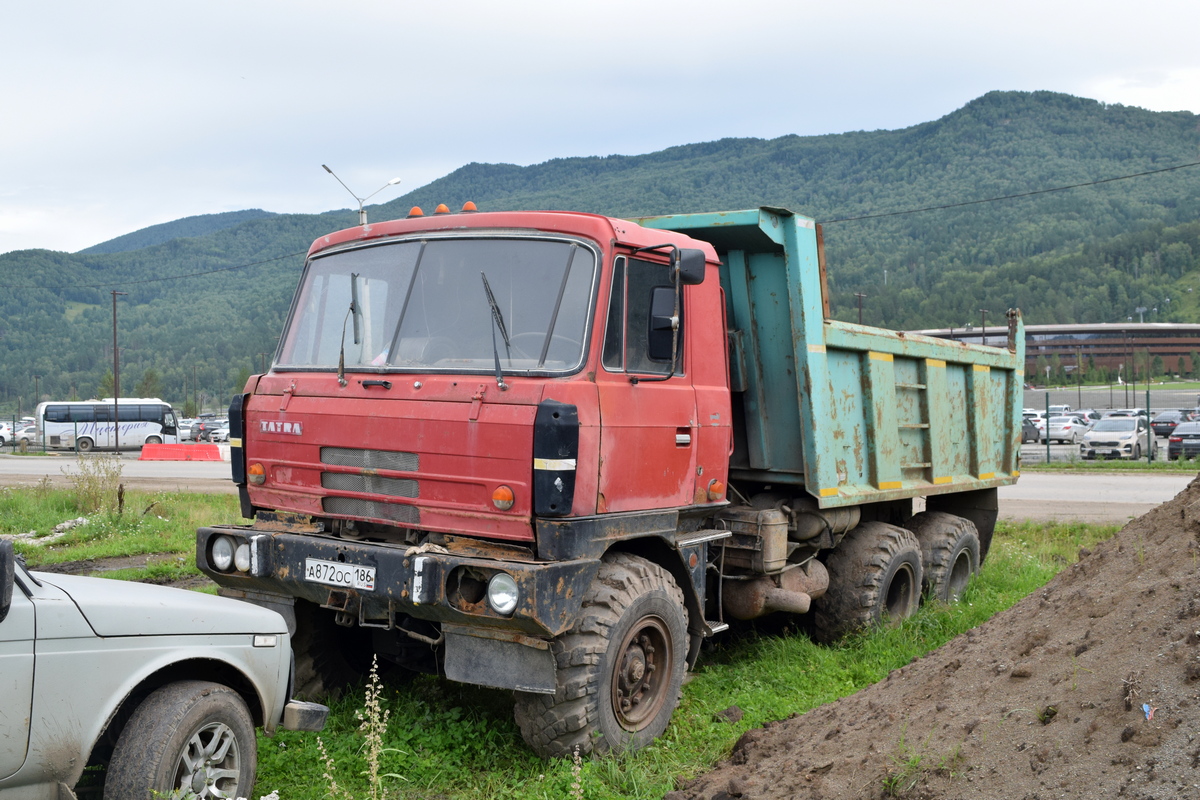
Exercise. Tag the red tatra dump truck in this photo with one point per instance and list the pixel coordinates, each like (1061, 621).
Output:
(552, 452)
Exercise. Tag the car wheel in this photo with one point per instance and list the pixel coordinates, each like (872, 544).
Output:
(1137, 452)
(189, 738)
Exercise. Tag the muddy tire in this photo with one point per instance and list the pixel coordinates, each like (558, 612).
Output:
(329, 657)
(949, 553)
(620, 668)
(191, 738)
(83, 445)
(874, 579)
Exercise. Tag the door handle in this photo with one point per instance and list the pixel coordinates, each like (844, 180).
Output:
(683, 437)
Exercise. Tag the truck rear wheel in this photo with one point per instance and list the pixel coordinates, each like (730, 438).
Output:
(874, 579)
(949, 553)
(620, 668)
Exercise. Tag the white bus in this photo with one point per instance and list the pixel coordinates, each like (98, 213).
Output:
(89, 424)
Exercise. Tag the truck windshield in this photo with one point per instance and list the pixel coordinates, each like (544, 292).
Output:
(422, 306)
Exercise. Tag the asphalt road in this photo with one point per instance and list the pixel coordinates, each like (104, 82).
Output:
(1091, 497)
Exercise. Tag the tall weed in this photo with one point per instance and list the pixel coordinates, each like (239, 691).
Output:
(97, 484)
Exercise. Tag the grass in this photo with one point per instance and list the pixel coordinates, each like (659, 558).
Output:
(450, 740)
(1113, 465)
(456, 741)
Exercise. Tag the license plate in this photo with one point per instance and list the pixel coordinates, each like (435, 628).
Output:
(332, 573)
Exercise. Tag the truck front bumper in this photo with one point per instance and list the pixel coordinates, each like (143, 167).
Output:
(375, 584)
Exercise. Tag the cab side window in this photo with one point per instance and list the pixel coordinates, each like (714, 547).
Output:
(638, 289)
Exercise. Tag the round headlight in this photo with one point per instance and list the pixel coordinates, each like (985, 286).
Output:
(502, 593)
(222, 553)
(241, 557)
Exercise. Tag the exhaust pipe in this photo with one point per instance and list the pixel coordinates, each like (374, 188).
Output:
(792, 591)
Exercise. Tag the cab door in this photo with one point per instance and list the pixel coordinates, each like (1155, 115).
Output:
(647, 414)
(16, 682)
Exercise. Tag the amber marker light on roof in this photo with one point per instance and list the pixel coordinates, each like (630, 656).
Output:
(442, 208)
(503, 498)
(415, 211)
(469, 206)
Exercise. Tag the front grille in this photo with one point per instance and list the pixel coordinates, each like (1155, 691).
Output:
(1103, 444)
(369, 484)
(371, 459)
(371, 509)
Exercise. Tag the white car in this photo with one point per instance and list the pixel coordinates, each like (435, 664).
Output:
(5, 433)
(1067, 430)
(157, 690)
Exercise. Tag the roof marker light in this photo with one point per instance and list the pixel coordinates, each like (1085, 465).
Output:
(469, 207)
(415, 211)
(442, 208)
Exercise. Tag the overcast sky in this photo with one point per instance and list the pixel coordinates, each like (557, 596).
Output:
(119, 115)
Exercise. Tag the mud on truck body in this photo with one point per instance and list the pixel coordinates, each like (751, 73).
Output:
(553, 452)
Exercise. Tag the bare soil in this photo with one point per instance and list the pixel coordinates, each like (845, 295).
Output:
(1089, 688)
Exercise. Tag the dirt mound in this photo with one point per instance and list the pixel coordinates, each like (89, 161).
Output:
(1088, 688)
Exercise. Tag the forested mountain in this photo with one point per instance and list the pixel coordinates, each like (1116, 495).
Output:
(1090, 254)
(177, 229)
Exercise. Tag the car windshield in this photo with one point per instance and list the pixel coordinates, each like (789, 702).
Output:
(1188, 427)
(1115, 424)
(444, 304)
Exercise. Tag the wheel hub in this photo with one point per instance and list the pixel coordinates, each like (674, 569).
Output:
(643, 667)
(209, 765)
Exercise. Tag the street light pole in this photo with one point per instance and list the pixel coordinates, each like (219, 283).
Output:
(860, 297)
(116, 380)
(362, 214)
(983, 324)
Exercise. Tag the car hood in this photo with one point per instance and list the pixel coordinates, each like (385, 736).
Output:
(124, 608)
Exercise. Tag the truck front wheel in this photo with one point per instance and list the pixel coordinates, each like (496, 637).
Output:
(620, 667)
(874, 579)
(949, 553)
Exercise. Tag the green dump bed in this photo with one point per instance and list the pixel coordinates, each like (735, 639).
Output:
(855, 414)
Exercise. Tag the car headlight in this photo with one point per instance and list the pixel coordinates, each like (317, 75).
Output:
(222, 553)
(502, 593)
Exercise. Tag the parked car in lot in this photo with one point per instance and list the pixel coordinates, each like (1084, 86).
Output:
(5, 433)
(27, 435)
(1059, 411)
(1118, 437)
(1089, 415)
(1127, 412)
(202, 430)
(220, 434)
(157, 690)
(185, 429)
(1164, 423)
(1066, 430)
(1184, 441)
(1029, 431)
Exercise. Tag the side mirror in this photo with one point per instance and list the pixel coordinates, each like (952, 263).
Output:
(691, 267)
(7, 569)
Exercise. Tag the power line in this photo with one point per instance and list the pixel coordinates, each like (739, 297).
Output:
(1010, 196)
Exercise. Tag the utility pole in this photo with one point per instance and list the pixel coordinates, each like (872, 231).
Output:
(983, 324)
(860, 297)
(195, 391)
(116, 380)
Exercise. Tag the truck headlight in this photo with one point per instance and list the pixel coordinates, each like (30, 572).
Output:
(241, 557)
(502, 593)
(222, 553)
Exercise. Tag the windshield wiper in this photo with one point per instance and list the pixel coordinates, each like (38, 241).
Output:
(497, 322)
(356, 313)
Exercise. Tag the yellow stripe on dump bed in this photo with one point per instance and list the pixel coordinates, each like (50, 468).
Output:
(829, 492)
